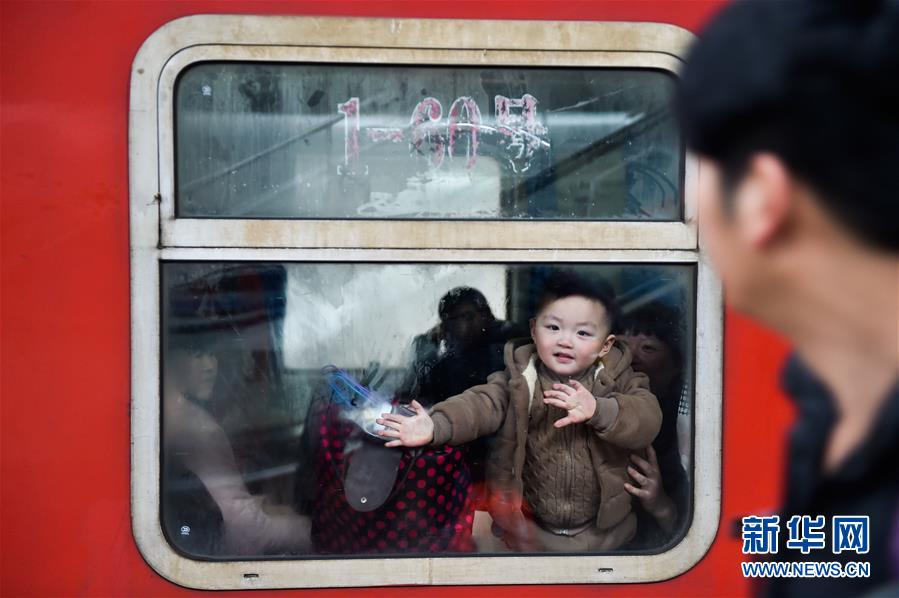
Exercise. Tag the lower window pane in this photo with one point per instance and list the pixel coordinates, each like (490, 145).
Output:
(274, 377)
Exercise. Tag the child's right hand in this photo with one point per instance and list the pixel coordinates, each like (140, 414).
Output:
(417, 430)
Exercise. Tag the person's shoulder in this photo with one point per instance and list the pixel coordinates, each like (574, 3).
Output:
(805, 389)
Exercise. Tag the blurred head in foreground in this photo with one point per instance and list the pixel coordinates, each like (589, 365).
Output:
(793, 108)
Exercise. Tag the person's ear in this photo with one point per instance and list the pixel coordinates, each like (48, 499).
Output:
(533, 324)
(764, 200)
(606, 346)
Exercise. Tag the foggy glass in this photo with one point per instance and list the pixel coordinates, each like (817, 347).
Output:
(274, 372)
(265, 140)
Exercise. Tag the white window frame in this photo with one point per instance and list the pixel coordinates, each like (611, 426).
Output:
(157, 235)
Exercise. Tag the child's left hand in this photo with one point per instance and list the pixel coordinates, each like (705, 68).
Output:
(575, 399)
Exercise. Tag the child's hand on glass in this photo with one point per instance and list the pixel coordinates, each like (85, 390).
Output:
(649, 490)
(412, 431)
(575, 399)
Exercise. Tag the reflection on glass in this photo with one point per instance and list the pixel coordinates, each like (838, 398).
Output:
(349, 141)
(276, 374)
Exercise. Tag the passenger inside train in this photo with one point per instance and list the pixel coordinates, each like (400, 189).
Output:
(655, 338)
(208, 506)
(563, 497)
(460, 352)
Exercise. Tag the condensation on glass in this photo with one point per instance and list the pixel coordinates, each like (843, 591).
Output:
(274, 372)
(339, 141)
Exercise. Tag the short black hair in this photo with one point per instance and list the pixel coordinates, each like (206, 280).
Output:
(459, 296)
(815, 82)
(560, 284)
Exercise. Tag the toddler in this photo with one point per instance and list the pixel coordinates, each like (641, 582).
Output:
(567, 411)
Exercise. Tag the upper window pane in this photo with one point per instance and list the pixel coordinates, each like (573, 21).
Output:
(266, 140)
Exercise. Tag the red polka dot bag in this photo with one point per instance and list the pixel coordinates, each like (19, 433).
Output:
(374, 500)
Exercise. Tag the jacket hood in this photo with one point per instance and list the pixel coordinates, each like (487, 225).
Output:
(618, 359)
(518, 353)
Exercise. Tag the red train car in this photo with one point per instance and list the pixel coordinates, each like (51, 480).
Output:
(307, 183)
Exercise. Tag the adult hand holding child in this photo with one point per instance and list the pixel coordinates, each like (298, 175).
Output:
(649, 489)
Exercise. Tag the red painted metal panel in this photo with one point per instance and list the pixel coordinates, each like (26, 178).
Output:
(65, 296)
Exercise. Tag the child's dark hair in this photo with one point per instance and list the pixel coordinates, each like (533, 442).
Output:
(567, 283)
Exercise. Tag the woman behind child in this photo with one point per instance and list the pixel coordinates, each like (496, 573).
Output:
(568, 411)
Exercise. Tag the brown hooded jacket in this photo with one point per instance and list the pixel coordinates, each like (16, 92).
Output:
(501, 405)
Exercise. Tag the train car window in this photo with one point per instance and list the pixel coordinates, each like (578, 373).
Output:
(477, 231)
(275, 376)
(376, 141)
